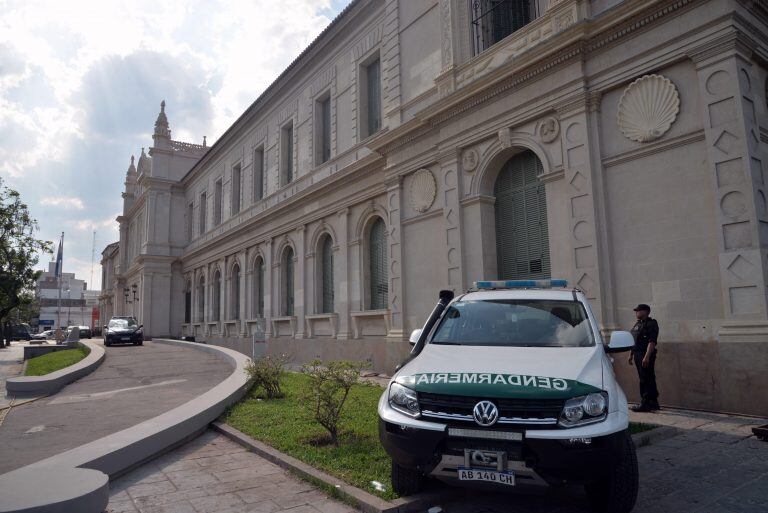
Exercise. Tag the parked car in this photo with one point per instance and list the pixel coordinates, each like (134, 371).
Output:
(123, 330)
(511, 385)
(44, 335)
(85, 332)
(21, 332)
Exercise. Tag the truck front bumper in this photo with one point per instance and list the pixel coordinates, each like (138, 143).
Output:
(574, 456)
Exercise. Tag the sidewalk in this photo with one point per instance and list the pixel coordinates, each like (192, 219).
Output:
(11, 365)
(713, 465)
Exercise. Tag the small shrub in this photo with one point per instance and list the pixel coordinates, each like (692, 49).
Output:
(265, 372)
(330, 383)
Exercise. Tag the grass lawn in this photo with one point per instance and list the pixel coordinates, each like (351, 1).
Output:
(286, 424)
(47, 363)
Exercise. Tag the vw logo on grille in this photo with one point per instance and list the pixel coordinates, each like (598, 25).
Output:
(485, 413)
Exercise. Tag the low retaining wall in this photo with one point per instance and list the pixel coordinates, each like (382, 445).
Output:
(384, 355)
(40, 350)
(25, 386)
(120, 452)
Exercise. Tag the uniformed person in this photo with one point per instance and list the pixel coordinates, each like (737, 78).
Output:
(643, 355)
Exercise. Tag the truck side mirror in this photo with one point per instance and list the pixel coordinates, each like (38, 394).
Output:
(621, 341)
(415, 334)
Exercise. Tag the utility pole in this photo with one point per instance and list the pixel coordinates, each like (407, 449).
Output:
(93, 258)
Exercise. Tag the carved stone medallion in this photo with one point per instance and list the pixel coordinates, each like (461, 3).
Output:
(549, 129)
(423, 190)
(648, 108)
(470, 159)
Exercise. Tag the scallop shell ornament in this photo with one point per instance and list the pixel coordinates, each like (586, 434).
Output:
(423, 190)
(648, 108)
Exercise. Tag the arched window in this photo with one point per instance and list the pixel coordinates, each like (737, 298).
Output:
(287, 281)
(522, 238)
(201, 299)
(377, 261)
(325, 271)
(216, 296)
(258, 288)
(235, 300)
(187, 302)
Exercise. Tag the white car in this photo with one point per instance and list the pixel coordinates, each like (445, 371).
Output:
(510, 385)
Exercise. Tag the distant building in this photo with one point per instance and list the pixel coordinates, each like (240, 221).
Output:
(109, 282)
(422, 145)
(74, 309)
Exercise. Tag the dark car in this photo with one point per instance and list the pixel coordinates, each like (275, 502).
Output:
(20, 332)
(123, 330)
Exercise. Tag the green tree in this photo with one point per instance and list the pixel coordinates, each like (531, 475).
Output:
(19, 251)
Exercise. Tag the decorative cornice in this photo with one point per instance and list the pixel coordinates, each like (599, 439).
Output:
(653, 148)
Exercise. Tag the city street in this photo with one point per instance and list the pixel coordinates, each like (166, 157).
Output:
(135, 383)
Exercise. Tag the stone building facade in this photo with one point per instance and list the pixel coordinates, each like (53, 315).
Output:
(425, 144)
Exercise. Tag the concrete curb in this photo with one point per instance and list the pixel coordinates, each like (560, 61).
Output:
(122, 451)
(25, 386)
(368, 502)
(361, 499)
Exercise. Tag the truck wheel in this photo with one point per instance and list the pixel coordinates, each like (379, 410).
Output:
(617, 493)
(406, 481)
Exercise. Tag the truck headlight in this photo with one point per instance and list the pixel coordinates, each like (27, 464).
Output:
(585, 409)
(404, 400)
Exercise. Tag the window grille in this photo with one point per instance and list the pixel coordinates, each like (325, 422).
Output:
(236, 293)
(188, 303)
(493, 20)
(217, 296)
(258, 288)
(377, 246)
(325, 130)
(373, 82)
(327, 274)
(258, 174)
(288, 282)
(522, 237)
(201, 300)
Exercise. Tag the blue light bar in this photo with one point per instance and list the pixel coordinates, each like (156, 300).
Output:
(520, 284)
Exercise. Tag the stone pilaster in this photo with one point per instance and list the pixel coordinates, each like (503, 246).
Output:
(728, 92)
(341, 271)
(395, 258)
(449, 176)
(269, 293)
(584, 192)
(300, 266)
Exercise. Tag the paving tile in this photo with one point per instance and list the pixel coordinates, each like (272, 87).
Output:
(252, 472)
(125, 506)
(185, 479)
(172, 507)
(216, 503)
(147, 489)
(166, 498)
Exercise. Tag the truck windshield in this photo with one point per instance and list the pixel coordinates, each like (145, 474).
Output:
(515, 323)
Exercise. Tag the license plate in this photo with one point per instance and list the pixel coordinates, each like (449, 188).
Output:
(126, 338)
(487, 476)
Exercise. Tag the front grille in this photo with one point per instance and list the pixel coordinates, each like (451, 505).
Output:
(457, 410)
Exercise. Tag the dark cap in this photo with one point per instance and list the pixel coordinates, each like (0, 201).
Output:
(642, 306)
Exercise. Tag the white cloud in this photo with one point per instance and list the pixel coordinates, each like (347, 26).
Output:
(65, 203)
(80, 84)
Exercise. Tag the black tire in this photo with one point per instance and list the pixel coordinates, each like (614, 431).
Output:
(617, 493)
(107, 344)
(406, 481)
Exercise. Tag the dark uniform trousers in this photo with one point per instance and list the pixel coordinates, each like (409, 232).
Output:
(645, 332)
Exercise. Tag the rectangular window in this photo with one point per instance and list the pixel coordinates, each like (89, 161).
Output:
(371, 92)
(217, 191)
(258, 174)
(286, 154)
(203, 211)
(323, 130)
(493, 20)
(190, 221)
(236, 182)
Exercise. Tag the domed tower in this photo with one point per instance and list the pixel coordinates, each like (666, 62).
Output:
(130, 185)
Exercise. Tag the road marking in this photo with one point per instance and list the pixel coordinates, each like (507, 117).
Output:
(110, 393)
(34, 429)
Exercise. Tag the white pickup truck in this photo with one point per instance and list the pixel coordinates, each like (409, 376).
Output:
(510, 385)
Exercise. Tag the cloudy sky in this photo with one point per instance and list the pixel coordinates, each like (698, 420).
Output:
(81, 84)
